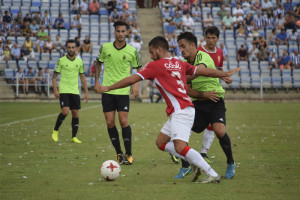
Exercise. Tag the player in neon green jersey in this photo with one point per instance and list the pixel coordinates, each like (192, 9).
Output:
(118, 57)
(69, 67)
(208, 109)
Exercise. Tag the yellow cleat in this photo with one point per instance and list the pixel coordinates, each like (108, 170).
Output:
(75, 140)
(55, 136)
(128, 159)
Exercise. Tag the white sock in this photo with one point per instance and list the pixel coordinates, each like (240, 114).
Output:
(195, 158)
(208, 138)
(171, 149)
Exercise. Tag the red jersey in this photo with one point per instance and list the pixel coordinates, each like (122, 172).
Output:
(217, 56)
(169, 75)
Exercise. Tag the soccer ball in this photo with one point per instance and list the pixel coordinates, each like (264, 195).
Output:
(110, 170)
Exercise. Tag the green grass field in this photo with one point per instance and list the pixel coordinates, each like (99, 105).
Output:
(265, 140)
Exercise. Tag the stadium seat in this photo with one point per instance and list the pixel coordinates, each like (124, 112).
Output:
(266, 81)
(43, 64)
(12, 64)
(17, 2)
(52, 64)
(9, 75)
(7, 3)
(235, 81)
(36, 3)
(33, 64)
(14, 10)
(23, 64)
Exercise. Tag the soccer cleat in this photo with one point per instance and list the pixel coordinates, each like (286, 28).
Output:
(206, 158)
(75, 140)
(55, 136)
(183, 172)
(120, 158)
(128, 159)
(210, 179)
(230, 172)
(174, 159)
(196, 172)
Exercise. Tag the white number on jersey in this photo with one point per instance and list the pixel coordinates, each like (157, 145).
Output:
(176, 74)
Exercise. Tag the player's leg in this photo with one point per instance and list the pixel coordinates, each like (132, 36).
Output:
(75, 106)
(65, 108)
(208, 138)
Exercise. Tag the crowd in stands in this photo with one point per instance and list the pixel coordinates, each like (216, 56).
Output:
(33, 32)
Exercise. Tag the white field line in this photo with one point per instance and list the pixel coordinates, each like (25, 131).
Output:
(41, 117)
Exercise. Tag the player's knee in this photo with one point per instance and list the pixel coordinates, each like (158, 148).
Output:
(65, 112)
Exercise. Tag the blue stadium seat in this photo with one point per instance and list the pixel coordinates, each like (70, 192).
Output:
(52, 64)
(23, 64)
(12, 64)
(36, 3)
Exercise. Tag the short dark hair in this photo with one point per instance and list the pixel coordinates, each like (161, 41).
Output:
(121, 23)
(70, 41)
(159, 41)
(213, 30)
(190, 37)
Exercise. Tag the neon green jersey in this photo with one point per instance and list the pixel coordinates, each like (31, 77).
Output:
(204, 83)
(69, 71)
(117, 64)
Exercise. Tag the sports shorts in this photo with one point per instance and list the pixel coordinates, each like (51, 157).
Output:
(70, 100)
(208, 112)
(111, 102)
(178, 126)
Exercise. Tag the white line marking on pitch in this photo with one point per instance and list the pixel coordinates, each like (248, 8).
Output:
(42, 117)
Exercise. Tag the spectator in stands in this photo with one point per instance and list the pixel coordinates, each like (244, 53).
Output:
(92, 69)
(273, 61)
(272, 37)
(120, 4)
(136, 43)
(165, 14)
(15, 52)
(27, 18)
(177, 21)
(188, 23)
(281, 38)
(19, 18)
(5, 27)
(294, 37)
(114, 16)
(76, 23)
(279, 21)
(185, 7)
(40, 45)
(225, 52)
(173, 3)
(37, 18)
(28, 42)
(27, 54)
(246, 5)
(78, 47)
(259, 21)
(295, 60)
(42, 33)
(49, 45)
(154, 91)
(94, 7)
(6, 17)
(170, 28)
(172, 44)
(238, 11)
(196, 14)
(176, 10)
(14, 29)
(1, 50)
(9, 44)
(87, 44)
(110, 6)
(237, 21)
(124, 14)
(247, 20)
(290, 21)
(40, 79)
(269, 22)
(75, 7)
(242, 54)
(297, 12)
(266, 6)
(133, 20)
(288, 6)
(207, 21)
(46, 20)
(284, 61)
(227, 22)
(253, 52)
(58, 45)
(34, 28)
(280, 9)
(25, 29)
(20, 77)
(241, 32)
(84, 8)
(262, 42)
(59, 22)
(256, 6)
(263, 53)
(31, 79)
(6, 53)
(253, 30)
(222, 12)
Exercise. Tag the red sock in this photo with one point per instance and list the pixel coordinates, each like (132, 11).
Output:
(185, 150)
(162, 147)
(209, 128)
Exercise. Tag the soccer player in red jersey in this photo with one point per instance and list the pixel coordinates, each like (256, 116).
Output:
(169, 75)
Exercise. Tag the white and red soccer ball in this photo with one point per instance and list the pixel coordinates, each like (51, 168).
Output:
(110, 170)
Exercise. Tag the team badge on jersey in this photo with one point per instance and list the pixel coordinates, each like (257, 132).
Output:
(124, 57)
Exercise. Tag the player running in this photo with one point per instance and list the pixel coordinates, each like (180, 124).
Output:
(118, 57)
(69, 67)
(169, 75)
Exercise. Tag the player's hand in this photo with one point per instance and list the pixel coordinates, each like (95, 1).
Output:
(86, 97)
(211, 95)
(103, 89)
(227, 80)
(233, 71)
(56, 93)
(135, 90)
(97, 86)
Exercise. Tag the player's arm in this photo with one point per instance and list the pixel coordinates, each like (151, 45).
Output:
(135, 90)
(97, 75)
(83, 81)
(54, 83)
(121, 84)
(228, 79)
(210, 95)
(203, 71)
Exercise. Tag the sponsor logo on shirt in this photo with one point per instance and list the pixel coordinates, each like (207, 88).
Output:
(172, 65)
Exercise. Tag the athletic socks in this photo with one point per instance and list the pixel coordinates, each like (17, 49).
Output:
(126, 134)
(208, 138)
(226, 146)
(59, 121)
(75, 125)
(114, 138)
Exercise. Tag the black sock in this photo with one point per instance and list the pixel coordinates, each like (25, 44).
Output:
(226, 146)
(114, 138)
(75, 125)
(185, 164)
(203, 154)
(126, 134)
(59, 121)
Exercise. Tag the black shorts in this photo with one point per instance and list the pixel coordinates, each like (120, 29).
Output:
(208, 112)
(111, 102)
(70, 100)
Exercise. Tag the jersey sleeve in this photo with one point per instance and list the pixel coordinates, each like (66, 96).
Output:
(190, 69)
(148, 72)
(57, 67)
(81, 68)
(136, 62)
(101, 55)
